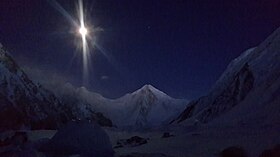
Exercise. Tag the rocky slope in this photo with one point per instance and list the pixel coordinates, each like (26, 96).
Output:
(247, 91)
(81, 108)
(26, 105)
(23, 103)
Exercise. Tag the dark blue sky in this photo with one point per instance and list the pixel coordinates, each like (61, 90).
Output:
(179, 46)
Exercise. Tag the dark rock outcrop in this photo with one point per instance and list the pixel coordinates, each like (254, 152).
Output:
(131, 142)
(166, 135)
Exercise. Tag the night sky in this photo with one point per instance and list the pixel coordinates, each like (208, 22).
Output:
(179, 46)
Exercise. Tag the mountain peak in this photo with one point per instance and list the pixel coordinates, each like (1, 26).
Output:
(149, 89)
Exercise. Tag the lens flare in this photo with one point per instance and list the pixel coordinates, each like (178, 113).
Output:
(83, 31)
(86, 35)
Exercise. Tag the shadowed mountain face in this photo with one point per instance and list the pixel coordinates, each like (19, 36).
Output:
(250, 83)
(24, 103)
(237, 90)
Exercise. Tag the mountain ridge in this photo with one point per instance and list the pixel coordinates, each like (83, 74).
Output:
(246, 79)
(23, 103)
(135, 109)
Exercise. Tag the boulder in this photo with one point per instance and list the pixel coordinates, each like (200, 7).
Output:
(166, 135)
(83, 138)
(131, 142)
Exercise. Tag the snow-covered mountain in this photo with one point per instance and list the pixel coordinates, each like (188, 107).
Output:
(83, 104)
(145, 107)
(23, 103)
(26, 104)
(247, 92)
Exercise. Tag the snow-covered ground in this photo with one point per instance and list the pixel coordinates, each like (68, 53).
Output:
(202, 141)
(190, 141)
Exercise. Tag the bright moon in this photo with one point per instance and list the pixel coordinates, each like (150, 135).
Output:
(83, 31)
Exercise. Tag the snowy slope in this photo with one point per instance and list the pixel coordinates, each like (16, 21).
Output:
(202, 141)
(145, 107)
(249, 86)
(23, 103)
(82, 104)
